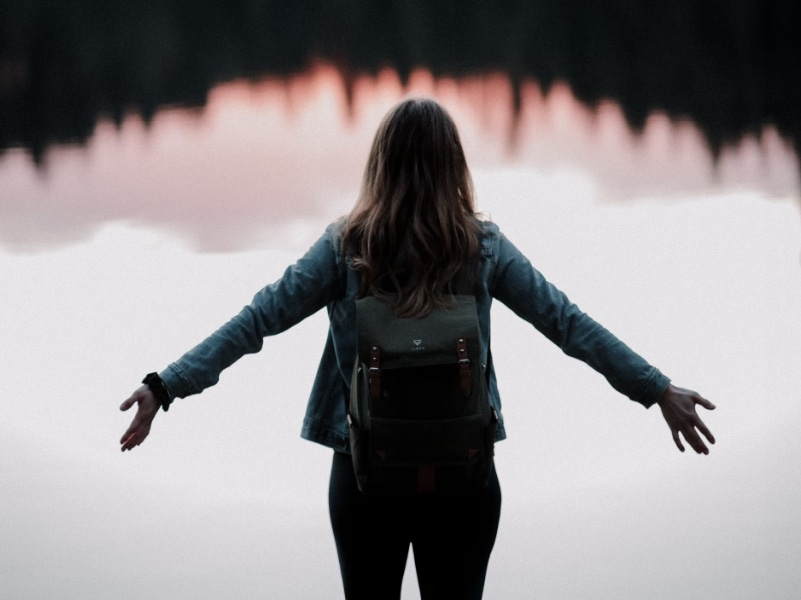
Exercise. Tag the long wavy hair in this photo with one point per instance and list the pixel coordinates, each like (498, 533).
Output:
(413, 231)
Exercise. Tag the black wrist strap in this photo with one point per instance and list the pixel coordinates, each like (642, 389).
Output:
(159, 389)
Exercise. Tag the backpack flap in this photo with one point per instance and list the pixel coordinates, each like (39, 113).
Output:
(419, 412)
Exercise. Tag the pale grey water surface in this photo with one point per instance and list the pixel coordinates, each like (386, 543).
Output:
(119, 256)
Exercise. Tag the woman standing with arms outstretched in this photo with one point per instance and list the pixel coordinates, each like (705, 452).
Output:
(412, 233)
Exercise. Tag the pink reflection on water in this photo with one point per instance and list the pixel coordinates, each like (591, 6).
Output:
(263, 160)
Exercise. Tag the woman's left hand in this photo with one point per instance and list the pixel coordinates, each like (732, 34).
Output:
(678, 408)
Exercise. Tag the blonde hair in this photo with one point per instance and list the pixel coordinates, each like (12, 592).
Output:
(414, 229)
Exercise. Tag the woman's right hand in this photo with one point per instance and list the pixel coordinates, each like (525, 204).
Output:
(146, 411)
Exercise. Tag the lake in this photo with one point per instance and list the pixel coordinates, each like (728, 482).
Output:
(125, 245)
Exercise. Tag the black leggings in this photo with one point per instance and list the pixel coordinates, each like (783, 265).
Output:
(452, 538)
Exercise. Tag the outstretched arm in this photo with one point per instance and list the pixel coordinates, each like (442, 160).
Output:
(678, 408)
(146, 411)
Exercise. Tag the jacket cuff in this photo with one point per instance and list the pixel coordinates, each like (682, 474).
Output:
(652, 388)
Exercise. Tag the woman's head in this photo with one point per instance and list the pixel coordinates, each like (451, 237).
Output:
(413, 227)
(417, 156)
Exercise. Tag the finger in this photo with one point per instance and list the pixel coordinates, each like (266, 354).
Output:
(704, 402)
(133, 440)
(127, 435)
(698, 445)
(133, 428)
(128, 403)
(677, 439)
(705, 431)
(127, 442)
(695, 441)
(130, 444)
(136, 434)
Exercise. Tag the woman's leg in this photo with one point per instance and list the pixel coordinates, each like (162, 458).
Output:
(452, 540)
(372, 536)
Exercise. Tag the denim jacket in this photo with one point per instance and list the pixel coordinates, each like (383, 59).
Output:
(323, 278)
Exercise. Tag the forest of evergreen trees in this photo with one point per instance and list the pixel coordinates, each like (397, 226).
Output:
(731, 66)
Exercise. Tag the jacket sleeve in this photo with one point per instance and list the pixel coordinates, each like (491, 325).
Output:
(304, 288)
(525, 291)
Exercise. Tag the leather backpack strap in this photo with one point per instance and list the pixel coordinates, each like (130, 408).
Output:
(374, 372)
(464, 366)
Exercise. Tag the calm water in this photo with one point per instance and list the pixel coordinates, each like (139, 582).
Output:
(119, 254)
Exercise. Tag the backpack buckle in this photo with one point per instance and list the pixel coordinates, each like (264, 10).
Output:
(464, 366)
(374, 372)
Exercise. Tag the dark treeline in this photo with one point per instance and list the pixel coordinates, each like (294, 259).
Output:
(731, 66)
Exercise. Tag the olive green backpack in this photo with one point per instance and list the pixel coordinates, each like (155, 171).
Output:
(419, 413)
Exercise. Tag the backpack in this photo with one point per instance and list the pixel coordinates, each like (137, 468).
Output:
(419, 415)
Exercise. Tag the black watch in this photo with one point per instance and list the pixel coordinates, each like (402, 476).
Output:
(159, 389)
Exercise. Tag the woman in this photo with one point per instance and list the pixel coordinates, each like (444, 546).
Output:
(412, 232)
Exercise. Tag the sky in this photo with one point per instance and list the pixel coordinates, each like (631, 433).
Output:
(120, 256)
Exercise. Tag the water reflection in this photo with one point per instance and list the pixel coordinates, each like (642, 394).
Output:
(729, 67)
(263, 156)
